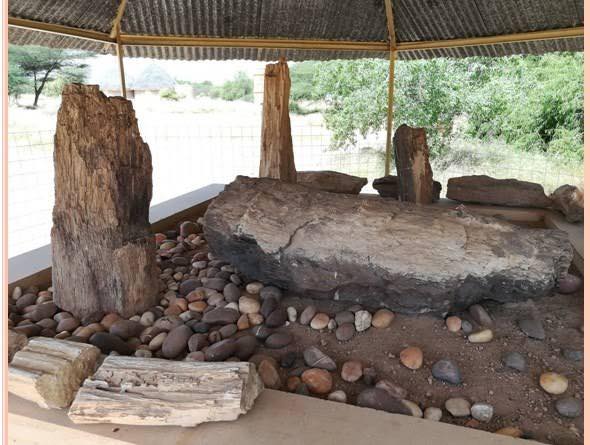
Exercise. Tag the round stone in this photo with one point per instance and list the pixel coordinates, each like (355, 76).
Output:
(379, 399)
(352, 371)
(392, 389)
(293, 382)
(268, 306)
(337, 396)
(482, 411)
(245, 347)
(332, 324)
(362, 320)
(412, 357)
(344, 317)
(382, 318)
(320, 321)
(254, 287)
(278, 340)
(126, 329)
(157, 342)
(569, 284)
(458, 407)
(514, 360)
(68, 324)
(483, 336)
(196, 342)
(569, 407)
(147, 318)
(109, 342)
(248, 305)
(481, 316)
(255, 319)
(414, 408)
(292, 314)
(532, 327)
(270, 292)
(307, 314)
(345, 332)
(553, 383)
(195, 356)
(243, 322)
(221, 315)
(315, 358)
(269, 374)
(198, 306)
(511, 431)
(220, 351)
(231, 292)
(453, 323)
(228, 330)
(466, 326)
(143, 353)
(176, 341)
(447, 371)
(277, 318)
(433, 413)
(261, 332)
(318, 381)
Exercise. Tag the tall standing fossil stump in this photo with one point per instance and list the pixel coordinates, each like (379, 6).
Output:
(276, 149)
(104, 257)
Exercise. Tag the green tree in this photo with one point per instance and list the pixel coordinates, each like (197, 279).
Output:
(17, 81)
(426, 95)
(40, 65)
(241, 87)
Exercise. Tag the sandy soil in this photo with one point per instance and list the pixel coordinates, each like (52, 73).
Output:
(517, 398)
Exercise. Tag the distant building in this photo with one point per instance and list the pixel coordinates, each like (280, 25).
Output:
(151, 80)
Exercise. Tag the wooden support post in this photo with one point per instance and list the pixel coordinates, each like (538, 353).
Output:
(120, 53)
(390, 90)
(276, 148)
(103, 253)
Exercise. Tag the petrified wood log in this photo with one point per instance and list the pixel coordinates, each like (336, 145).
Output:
(569, 200)
(16, 341)
(148, 391)
(413, 165)
(104, 257)
(330, 181)
(49, 371)
(483, 189)
(276, 146)
(388, 187)
(379, 252)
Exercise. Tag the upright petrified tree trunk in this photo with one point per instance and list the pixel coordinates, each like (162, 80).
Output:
(412, 164)
(276, 150)
(104, 258)
(379, 252)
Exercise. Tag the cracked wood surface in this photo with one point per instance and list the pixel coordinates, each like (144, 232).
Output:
(49, 371)
(378, 251)
(104, 256)
(413, 165)
(142, 391)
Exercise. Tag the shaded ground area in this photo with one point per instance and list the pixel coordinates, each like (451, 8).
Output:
(517, 397)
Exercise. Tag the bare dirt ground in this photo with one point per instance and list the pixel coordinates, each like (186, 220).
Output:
(517, 398)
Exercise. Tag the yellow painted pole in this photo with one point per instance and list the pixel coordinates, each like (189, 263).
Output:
(390, 91)
(120, 53)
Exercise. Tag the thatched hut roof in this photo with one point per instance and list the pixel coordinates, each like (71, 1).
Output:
(238, 29)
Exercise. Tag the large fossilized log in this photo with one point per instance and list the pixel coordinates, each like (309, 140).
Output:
(49, 371)
(276, 145)
(484, 189)
(149, 391)
(388, 187)
(569, 200)
(413, 165)
(330, 181)
(104, 257)
(379, 252)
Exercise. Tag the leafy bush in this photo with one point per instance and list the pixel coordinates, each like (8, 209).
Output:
(241, 87)
(170, 94)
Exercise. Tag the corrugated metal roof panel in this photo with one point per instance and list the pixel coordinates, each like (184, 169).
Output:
(351, 20)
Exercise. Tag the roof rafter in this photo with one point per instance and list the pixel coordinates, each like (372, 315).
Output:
(303, 44)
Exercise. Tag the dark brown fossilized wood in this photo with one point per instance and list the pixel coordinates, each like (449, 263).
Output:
(482, 189)
(377, 252)
(276, 147)
(104, 257)
(569, 200)
(388, 187)
(413, 165)
(330, 181)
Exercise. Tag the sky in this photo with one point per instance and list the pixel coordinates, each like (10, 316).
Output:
(196, 71)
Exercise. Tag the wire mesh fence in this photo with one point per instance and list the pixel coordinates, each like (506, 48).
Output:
(185, 158)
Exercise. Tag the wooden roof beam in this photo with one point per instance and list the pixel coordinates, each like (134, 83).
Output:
(304, 44)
